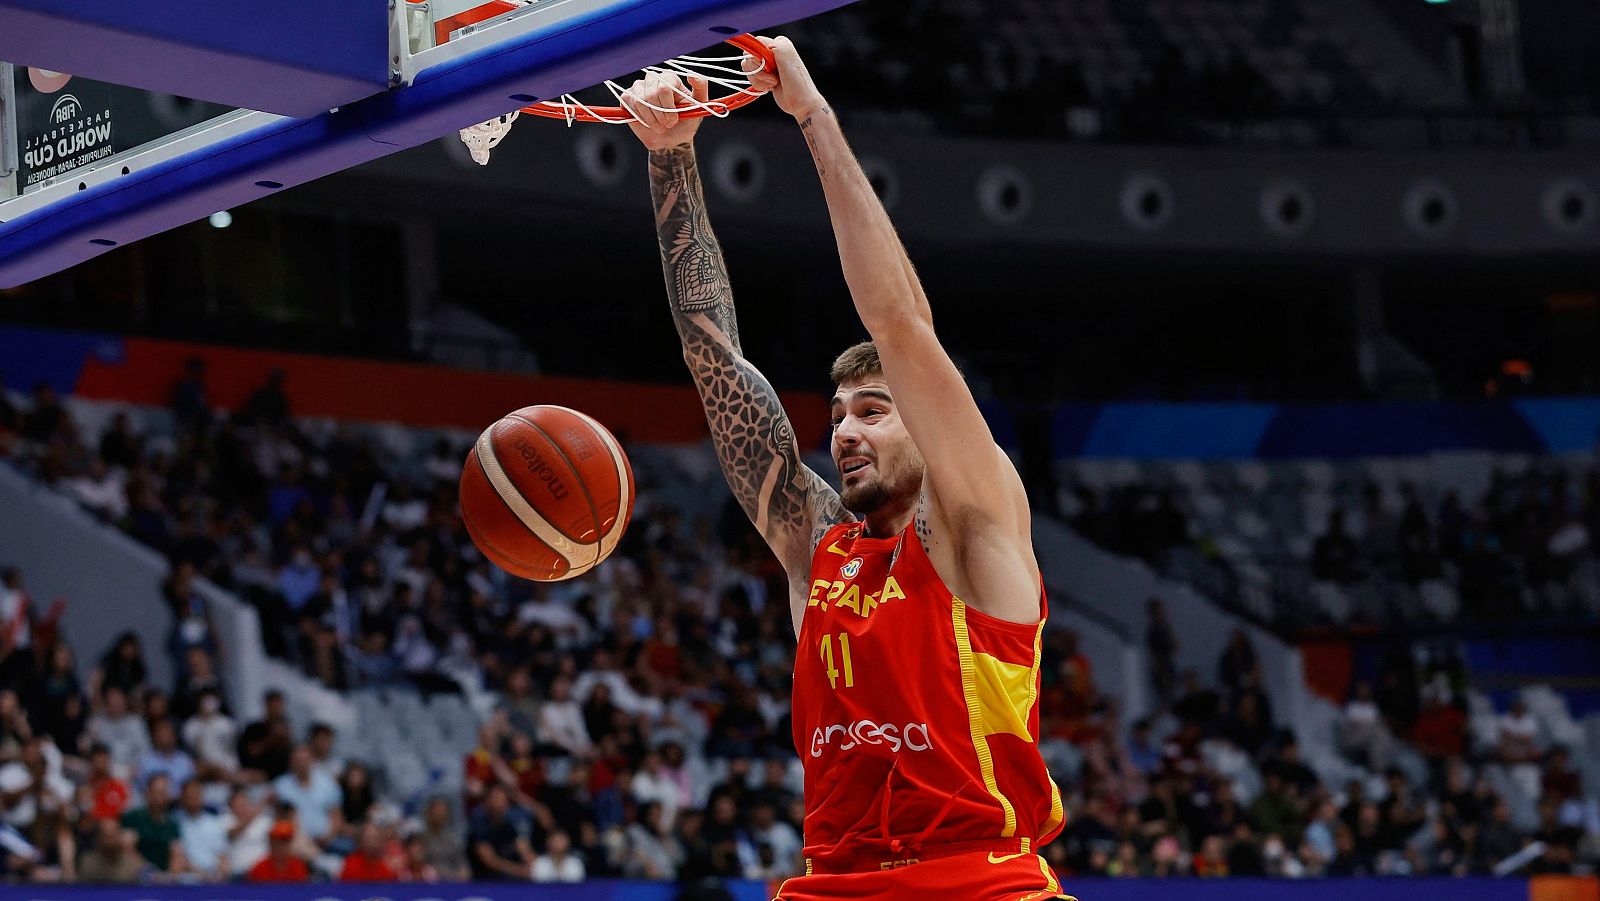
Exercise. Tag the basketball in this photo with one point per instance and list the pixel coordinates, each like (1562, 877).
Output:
(546, 493)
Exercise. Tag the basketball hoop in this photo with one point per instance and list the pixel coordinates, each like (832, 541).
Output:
(722, 71)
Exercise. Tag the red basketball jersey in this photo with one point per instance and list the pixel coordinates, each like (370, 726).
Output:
(914, 714)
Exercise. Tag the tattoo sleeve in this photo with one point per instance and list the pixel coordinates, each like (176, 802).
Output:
(790, 505)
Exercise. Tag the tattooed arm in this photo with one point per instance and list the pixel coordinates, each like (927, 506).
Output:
(790, 505)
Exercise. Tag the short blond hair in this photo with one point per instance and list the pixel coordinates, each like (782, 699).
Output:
(856, 364)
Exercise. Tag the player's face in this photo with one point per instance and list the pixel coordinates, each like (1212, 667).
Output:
(877, 462)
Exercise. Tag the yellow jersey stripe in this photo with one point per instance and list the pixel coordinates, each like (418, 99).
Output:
(1050, 883)
(975, 719)
(1057, 812)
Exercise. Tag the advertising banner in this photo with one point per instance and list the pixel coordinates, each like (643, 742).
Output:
(64, 122)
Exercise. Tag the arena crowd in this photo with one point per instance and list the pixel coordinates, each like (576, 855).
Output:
(641, 727)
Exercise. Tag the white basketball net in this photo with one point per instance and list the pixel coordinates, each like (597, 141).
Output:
(723, 71)
(486, 136)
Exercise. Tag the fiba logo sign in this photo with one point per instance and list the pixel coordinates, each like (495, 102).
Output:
(66, 109)
(850, 569)
(73, 130)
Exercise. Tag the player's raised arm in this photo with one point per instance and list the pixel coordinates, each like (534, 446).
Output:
(790, 505)
(971, 478)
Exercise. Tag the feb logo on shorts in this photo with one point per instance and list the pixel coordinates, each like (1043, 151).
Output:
(850, 569)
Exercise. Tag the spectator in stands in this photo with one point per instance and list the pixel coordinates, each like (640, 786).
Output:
(202, 834)
(190, 405)
(1335, 557)
(1069, 697)
(1162, 645)
(213, 738)
(191, 621)
(480, 765)
(29, 791)
(121, 730)
(561, 721)
(1402, 814)
(603, 670)
(442, 843)
(281, 863)
(1319, 848)
(1362, 733)
(157, 708)
(1560, 782)
(653, 851)
(1288, 764)
(1238, 662)
(768, 832)
(320, 739)
(298, 580)
(10, 419)
(247, 825)
(372, 664)
(165, 757)
(197, 677)
(653, 785)
(122, 668)
(519, 702)
(46, 417)
(99, 489)
(112, 858)
(1441, 730)
(523, 772)
(265, 745)
(16, 629)
(500, 839)
(1247, 726)
(269, 405)
(366, 863)
(314, 795)
(358, 797)
(414, 866)
(120, 446)
(15, 729)
(56, 700)
(103, 796)
(1517, 735)
(155, 826)
(558, 863)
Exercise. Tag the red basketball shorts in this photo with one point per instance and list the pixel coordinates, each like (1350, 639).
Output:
(1002, 874)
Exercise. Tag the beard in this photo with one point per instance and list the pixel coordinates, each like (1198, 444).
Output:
(866, 497)
(882, 489)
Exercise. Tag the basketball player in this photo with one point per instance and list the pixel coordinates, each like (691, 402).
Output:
(914, 592)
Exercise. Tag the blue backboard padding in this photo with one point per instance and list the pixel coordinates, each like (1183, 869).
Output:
(544, 63)
(29, 357)
(1565, 424)
(1368, 430)
(291, 57)
(1156, 431)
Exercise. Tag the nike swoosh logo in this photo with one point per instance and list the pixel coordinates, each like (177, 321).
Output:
(834, 549)
(994, 859)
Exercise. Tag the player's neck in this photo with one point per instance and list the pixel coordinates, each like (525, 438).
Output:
(891, 519)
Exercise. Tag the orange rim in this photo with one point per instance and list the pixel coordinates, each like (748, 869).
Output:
(719, 106)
